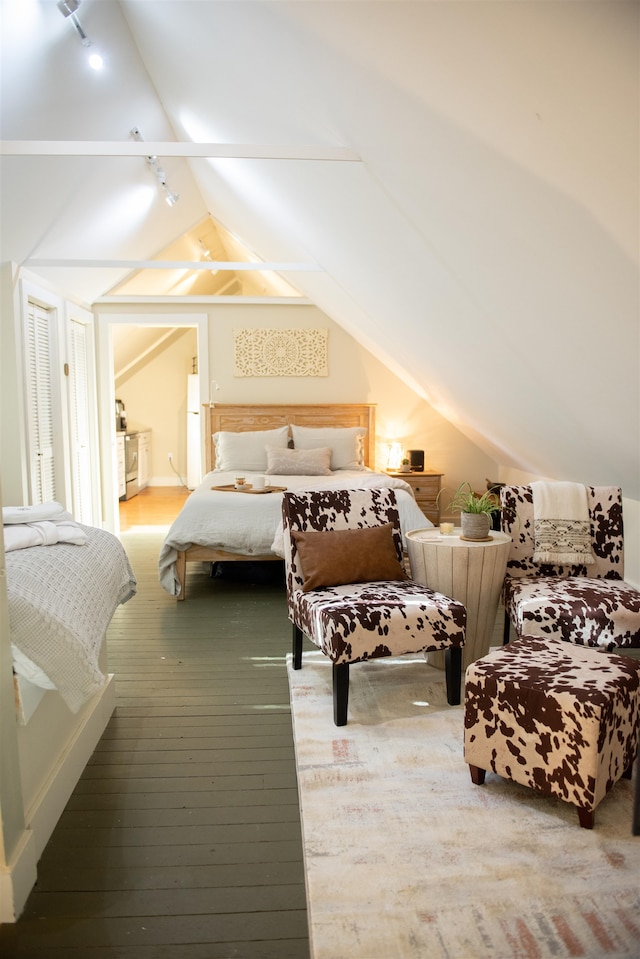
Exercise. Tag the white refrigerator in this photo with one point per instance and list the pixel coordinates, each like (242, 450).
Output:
(194, 458)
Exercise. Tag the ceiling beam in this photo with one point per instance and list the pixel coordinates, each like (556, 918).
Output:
(177, 265)
(204, 300)
(171, 148)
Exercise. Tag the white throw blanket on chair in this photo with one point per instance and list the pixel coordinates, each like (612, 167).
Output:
(561, 524)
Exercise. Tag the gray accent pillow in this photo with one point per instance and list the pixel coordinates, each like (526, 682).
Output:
(298, 462)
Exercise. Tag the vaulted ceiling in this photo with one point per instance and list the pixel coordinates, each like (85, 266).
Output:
(455, 183)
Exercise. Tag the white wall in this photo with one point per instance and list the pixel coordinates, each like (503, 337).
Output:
(12, 414)
(355, 376)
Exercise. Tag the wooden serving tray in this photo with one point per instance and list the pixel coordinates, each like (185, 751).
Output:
(248, 488)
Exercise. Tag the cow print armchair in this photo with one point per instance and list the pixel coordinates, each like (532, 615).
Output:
(590, 605)
(347, 589)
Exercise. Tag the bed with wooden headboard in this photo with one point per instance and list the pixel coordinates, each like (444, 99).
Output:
(212, 524)
(251, 416)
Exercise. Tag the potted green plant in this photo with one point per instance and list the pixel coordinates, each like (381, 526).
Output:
(405, 466)
(475, 511)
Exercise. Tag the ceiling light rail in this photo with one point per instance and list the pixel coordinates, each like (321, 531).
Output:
(171, 197)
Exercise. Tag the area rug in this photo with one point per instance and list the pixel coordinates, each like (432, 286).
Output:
(407, 859)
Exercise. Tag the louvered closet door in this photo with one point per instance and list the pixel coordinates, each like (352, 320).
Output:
(39, 343)
(79, 433)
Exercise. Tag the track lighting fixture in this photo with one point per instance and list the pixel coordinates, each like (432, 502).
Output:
(68, 9)
(206, 254)
(152, 161)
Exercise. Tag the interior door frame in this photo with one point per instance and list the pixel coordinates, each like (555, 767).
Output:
(107, 397)
(84, 317)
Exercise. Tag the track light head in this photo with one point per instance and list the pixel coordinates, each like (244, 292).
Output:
(67, 7)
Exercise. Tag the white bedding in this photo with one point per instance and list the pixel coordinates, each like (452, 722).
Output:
(251, 524)
(61, 600)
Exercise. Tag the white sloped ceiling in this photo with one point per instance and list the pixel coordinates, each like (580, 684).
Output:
(483, 243)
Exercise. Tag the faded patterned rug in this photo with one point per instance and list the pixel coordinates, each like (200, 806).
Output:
(407, 859)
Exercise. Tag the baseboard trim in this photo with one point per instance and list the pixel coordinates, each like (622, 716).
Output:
(18, 878)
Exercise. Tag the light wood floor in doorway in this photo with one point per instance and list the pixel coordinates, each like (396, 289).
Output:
(182, 838)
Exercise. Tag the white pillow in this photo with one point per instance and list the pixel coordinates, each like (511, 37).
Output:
(298, 462)
(246, 450)
(346, 443)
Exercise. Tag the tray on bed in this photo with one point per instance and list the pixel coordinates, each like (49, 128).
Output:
(247, 488)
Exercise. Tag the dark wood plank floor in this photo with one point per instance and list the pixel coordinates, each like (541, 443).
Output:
(182, 838)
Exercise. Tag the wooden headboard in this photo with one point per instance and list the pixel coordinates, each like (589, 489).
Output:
(249, 416)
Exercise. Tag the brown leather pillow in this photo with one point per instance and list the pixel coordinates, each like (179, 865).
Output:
(344, 556)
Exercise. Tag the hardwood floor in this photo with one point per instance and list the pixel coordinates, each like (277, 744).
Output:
(182, 837)
(153, 506)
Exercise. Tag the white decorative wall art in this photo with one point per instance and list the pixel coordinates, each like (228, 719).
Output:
(280, 352)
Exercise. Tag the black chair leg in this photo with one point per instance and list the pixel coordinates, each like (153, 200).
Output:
(297, 647)
(506, 628)
(453, 673)
(340, 693)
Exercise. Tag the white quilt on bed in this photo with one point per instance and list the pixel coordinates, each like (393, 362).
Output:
(61, 600)
(251, 524)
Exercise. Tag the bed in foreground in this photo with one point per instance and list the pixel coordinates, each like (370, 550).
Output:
(298, 447)
(60, 598)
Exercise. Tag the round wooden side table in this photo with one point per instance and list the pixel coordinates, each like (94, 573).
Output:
(471, 572)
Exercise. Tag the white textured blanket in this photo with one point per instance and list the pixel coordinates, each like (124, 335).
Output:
(61, 601)
(561, 524)
(252, 524)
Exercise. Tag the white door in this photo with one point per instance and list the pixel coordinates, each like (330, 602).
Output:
(61, 413)
(39, 351)
(83, 432)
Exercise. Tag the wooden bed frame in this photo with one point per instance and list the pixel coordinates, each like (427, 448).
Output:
(248, 416)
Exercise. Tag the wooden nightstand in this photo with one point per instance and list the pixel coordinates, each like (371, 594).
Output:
(426, 487)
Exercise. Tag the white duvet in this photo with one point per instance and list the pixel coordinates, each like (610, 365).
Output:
(251, 524)
(61, 600)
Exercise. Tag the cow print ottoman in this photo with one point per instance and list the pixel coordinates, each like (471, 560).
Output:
(560, 718)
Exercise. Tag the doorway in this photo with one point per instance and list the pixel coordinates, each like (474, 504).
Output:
(144, 362)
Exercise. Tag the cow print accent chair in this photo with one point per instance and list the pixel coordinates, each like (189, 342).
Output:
(368, 618)
(587, 605)
(559, 718)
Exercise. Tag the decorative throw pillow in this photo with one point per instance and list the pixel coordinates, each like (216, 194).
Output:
(298, 462)
(345, 556)
(346, 443)
(246, 450)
